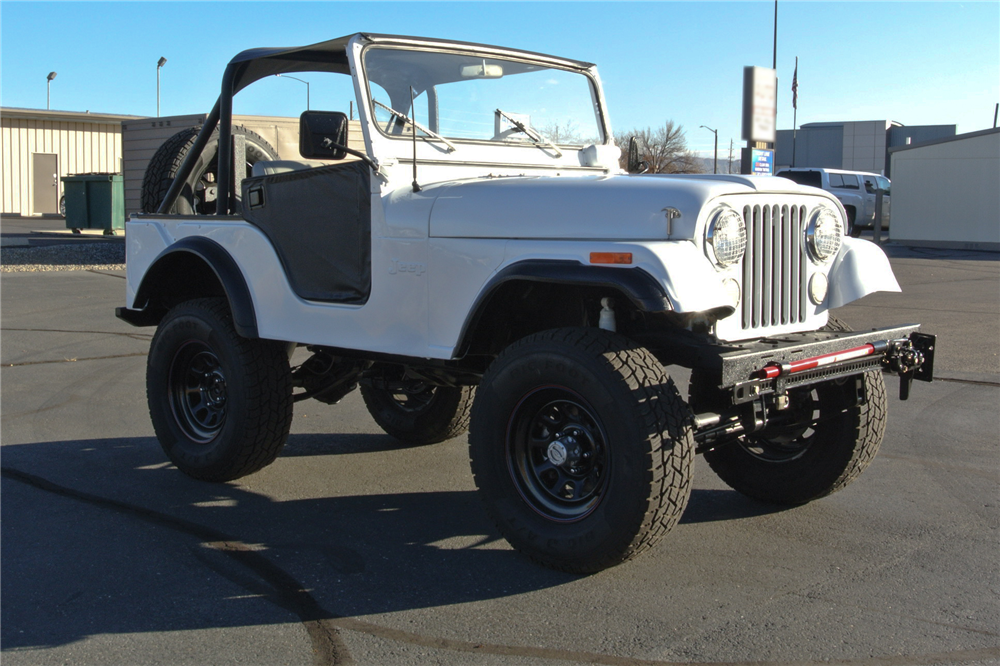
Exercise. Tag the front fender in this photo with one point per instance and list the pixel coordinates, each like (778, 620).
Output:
(691, 281)
(861, 268)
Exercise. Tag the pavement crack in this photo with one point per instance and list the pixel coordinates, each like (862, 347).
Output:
(135, 336)
(977, 382)
(120, 277)
(913, 308)
(71, 360)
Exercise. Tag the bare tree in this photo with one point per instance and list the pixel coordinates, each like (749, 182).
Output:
(565, 132)
(664, 149)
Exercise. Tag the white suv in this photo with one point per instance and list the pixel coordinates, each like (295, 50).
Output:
(484, 263)
(856, 190)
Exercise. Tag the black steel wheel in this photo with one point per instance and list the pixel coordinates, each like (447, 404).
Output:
(221, 405)
(416, 412)
(197, 391)
(581, 448)
(557, 453)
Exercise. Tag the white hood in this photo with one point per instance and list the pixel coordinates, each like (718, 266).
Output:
(618, 207)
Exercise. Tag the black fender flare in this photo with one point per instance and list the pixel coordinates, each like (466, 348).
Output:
(226, 270)
(639, 287)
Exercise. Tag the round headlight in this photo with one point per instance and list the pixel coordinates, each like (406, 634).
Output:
(825, 234)
(727, 236)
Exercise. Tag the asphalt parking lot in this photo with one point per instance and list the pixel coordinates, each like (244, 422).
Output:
(352, 548)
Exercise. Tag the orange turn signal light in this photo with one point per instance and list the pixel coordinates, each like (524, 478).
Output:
(611, 257)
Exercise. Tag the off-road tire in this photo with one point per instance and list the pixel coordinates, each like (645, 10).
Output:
(852, 228)
(221, 405)
(437, 414)
(825, 458)
(598, 393)
(167, 160)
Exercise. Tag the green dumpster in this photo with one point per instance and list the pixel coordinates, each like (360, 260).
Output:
(94, 201)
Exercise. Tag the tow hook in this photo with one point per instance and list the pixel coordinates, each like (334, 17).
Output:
(754, 416)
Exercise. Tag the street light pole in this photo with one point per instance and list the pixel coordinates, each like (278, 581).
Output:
(300, 81)
(159, 63)
(715, 164)
(48, 89)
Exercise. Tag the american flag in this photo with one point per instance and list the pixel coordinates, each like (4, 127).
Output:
(795, 86)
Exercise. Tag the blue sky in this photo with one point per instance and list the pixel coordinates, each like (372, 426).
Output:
(915, 62)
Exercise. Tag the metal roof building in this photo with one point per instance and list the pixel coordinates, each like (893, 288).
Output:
(855, 146)
(38, 147)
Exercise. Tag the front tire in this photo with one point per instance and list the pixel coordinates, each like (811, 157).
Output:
(221, 405)
(581, 448)
(824, 447)
(818, 446)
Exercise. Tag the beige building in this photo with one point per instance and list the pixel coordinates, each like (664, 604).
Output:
(39, 147)
(945, 193)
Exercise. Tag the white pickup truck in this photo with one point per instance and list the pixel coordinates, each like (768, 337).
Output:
(475, 265)
(855, 190)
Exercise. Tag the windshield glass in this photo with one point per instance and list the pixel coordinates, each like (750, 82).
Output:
(469, 97)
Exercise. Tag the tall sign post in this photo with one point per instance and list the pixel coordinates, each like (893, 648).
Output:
(760, 111)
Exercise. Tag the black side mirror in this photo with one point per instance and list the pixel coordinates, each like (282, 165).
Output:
(323, 135)
(634, 164)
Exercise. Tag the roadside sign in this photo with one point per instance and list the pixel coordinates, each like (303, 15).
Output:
(761, 162)
(757, 161)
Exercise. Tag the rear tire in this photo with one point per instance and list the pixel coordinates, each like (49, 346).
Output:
(581, 448)
(421, 414)
(221, 405)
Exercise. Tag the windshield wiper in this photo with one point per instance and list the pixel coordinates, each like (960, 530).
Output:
(532, 134)
(406, 119)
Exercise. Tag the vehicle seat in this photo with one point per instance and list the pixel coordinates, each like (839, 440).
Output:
(271, 167)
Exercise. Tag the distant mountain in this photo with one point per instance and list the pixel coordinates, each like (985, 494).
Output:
(705, 163)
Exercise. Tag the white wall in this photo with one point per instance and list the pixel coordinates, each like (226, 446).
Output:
(947, 194)
(864, 146)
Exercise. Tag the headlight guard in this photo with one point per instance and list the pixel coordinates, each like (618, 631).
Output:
(727, 237)
(824, 234)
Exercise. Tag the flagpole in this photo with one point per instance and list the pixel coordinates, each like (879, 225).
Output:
(774, 54)
(795, 107)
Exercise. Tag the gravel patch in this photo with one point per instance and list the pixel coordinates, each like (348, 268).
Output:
(78, 257)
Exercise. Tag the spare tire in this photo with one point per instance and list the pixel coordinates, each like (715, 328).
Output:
(198, 194)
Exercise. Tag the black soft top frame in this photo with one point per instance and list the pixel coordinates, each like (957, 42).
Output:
(329, 56)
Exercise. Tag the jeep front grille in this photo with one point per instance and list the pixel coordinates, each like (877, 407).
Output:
(774, 266)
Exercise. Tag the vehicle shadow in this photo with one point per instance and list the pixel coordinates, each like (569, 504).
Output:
(709, 505)
(104, 537)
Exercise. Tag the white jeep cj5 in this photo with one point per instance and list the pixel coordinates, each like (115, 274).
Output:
(483, 263)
